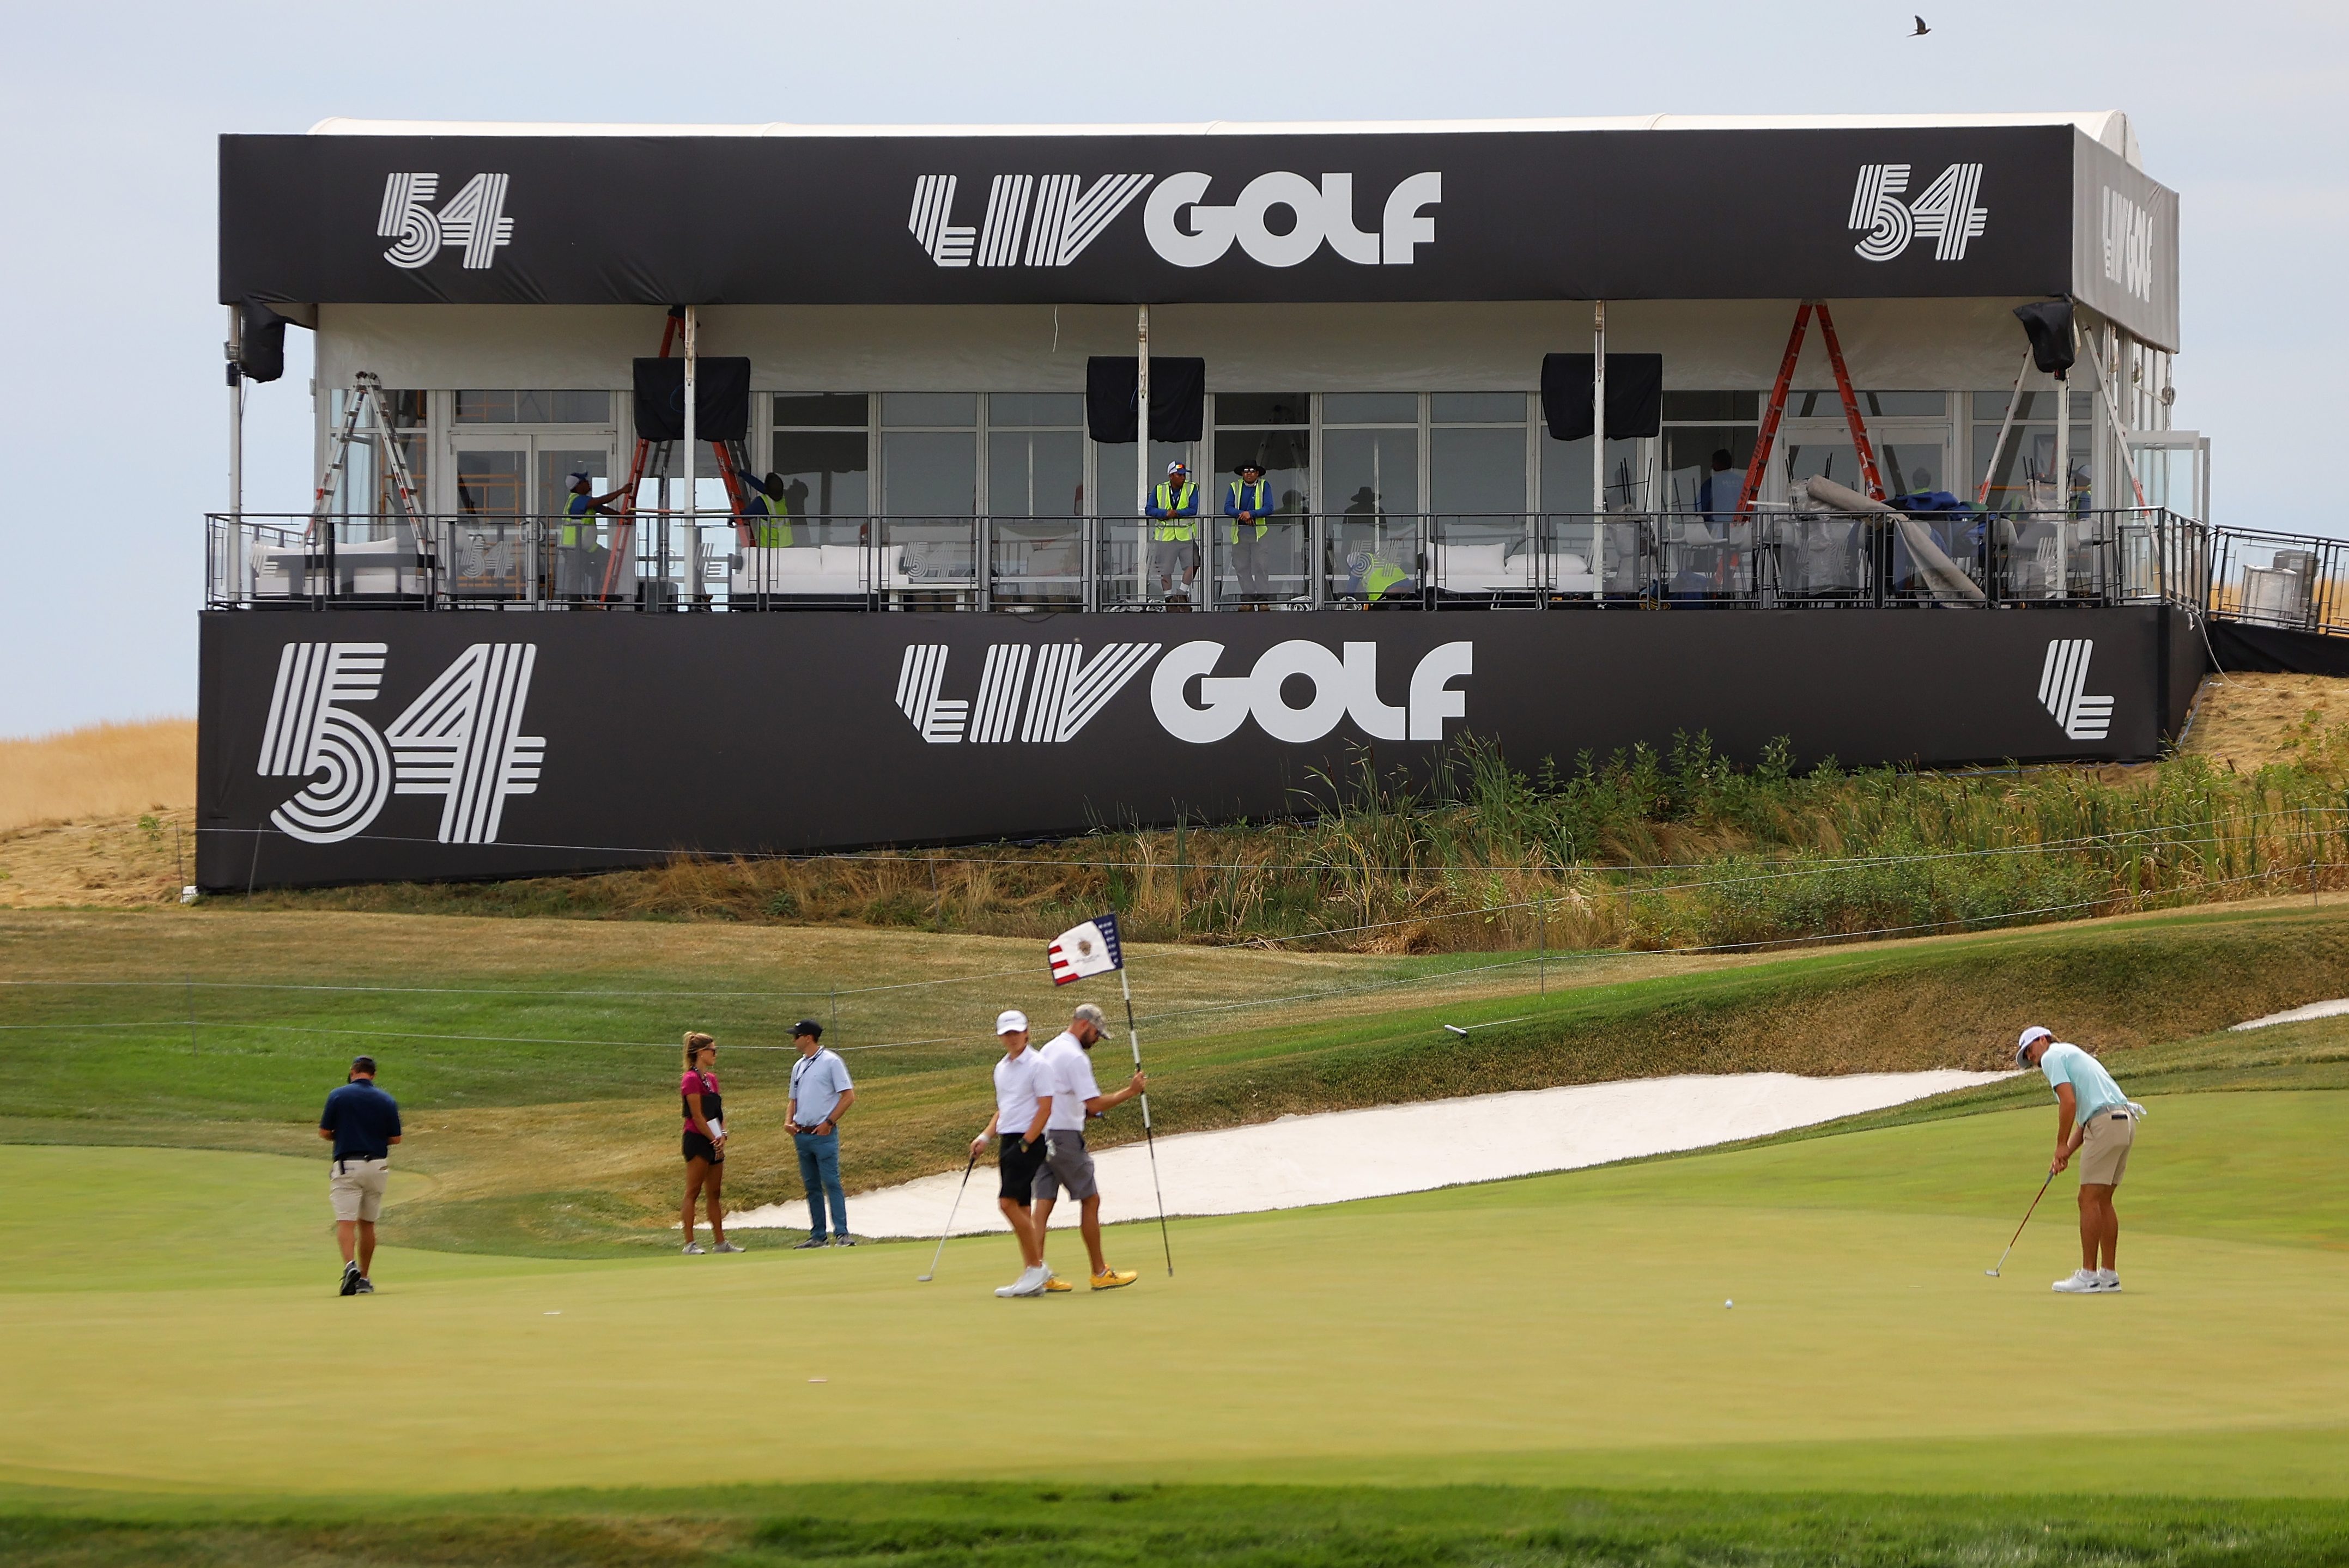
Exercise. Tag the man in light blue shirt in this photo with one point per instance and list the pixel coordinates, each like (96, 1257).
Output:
(2093, 1116)
(821, 1096)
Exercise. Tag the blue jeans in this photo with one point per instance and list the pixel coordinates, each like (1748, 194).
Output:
(820, 1174)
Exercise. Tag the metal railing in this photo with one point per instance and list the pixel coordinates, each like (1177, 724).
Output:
(2281, 580)
(1353, 560)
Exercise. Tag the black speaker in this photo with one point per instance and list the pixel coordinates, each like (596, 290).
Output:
(2048, 324)
(1635, 395)
(260, 342)
(1178, 397)
(721, 397)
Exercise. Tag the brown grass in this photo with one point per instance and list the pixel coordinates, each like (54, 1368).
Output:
(104, 771)
(2246, 722)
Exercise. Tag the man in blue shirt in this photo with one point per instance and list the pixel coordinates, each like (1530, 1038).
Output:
(2093, 1116)
(1174, 513)
(362, 1122)
(821, 1096)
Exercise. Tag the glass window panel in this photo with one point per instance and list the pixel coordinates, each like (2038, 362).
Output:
(1261, 409)
(1689, 482)
(1911, 466)
(504, 406)
(1566, 474)
(491, 484)
(825, 472)
(824, 410)
(1479, 408)
(554, 471)
(1477, 472)
(406, 410)
(1113, 471)
(929, 473)
(1285, 455)
(1372, 473)
(1035, 474)
(1829, 405)
(1713, 406)
(1029, 410)
(481, 407)
(2024, 479)
(959, 410)
(2038, 405)
(1370, 408)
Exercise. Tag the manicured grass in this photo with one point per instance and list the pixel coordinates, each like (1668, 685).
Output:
(543, 1128)
(1565, 1330)
(1294, 1527)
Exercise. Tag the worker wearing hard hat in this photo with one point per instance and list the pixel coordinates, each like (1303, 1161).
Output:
(576, 573)
(1174, 512)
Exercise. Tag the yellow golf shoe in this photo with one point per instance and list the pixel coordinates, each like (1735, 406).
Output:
(1109, 1279)
(1056, 1284)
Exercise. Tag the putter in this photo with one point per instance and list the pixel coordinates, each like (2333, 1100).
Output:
(2026, 1220)
(967, 1166)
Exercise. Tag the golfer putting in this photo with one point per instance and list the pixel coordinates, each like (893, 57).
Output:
(1067, 1092)
(2094, 1120)
(1017, 1127)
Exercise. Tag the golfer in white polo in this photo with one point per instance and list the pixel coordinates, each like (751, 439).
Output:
(2094, 1120)
(1066, 1088)
(1018, 1125)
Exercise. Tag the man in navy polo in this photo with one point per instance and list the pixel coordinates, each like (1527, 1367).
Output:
(363, 1123)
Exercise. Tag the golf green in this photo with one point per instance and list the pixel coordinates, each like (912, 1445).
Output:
(171, 1325)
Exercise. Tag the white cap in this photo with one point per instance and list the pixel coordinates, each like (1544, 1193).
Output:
(2031, 1035)
(1011, 1022)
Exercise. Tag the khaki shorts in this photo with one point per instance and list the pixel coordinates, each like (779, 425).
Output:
(357, 1188)
(2105, 1147)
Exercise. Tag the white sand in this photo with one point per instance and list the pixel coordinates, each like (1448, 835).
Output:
(2332, 1010)
(1338, 1156)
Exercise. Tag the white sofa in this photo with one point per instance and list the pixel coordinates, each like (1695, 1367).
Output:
(376, 566)
(802, 572)
(1510, 566)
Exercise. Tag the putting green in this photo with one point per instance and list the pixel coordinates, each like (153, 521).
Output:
(171, 1323)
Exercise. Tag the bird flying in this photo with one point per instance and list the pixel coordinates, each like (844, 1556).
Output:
(1922, 28)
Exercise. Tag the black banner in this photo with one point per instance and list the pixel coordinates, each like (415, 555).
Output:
(1886, 212)
(363, 746)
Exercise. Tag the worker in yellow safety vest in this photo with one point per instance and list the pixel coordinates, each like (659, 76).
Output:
(1246, 503)
(1174, 512)
(575, 570)
(766, 515)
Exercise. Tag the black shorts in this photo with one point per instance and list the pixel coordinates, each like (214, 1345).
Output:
(1019, 1166)
(697, 1147)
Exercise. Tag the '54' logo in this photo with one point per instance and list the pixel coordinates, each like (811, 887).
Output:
(474, 218)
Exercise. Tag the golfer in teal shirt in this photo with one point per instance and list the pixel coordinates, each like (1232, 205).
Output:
(2097, 1121)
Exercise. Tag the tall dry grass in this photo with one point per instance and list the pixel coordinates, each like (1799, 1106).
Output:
(103, 770)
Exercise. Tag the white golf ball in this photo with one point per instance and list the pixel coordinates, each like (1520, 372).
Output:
(1729, 1304)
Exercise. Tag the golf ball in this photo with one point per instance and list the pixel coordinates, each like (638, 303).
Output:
(1729, 1304)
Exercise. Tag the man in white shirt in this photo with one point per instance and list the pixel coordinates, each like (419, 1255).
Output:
(1017, 1124)
(821, 1096)
(1066, 1091)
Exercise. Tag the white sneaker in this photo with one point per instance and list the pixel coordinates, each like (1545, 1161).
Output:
(2107, 1279)
(2080, 1282)
(1030, 1283)
(728, 1247)
(693, 1249)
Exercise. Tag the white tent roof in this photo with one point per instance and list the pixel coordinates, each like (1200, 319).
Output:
(2110, 126)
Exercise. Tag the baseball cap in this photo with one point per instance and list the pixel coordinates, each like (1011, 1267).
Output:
(1178, 466)
(2030, 1036)
(1011, 1021)
(579, 476)
(1088, 1012)
(809, 1027)
(362, 1065)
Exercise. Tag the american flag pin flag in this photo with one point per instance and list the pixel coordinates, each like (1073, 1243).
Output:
(1088, 949)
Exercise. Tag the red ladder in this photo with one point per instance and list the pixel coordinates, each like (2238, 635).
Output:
(1776, 413)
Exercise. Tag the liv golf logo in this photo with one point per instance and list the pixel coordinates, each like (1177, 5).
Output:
(1945, 213)
(1047, 220)
(474, 219)
(460, 740)
(1069, 690)
(2063, 690)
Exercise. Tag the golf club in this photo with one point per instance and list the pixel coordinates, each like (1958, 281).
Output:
(951, 1211)
(2026, 1220)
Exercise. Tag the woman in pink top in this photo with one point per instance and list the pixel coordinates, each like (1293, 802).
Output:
(705, 1140)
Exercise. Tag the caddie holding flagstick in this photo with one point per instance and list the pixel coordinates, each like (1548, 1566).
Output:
(1092, 948)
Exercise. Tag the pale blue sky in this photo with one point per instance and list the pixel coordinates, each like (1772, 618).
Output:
(115, 416)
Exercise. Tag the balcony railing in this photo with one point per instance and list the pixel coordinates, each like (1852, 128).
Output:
(1353, 559)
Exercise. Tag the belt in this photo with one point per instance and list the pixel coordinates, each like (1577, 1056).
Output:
(343, 1159)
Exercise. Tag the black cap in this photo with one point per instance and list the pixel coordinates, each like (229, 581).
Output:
(1249, 466)
(808, 1026)
(362, 1065)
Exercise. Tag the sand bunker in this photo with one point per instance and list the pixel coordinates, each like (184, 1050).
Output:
(1338, 1156)
(2332, 1010)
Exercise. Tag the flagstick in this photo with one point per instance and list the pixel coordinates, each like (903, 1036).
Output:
(1134, 1037)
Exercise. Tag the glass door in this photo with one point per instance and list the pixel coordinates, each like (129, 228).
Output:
(487, 552)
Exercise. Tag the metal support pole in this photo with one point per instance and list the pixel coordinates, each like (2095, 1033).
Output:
(235, 416)
(692, 500)
(2062, 486)
(1599, 448)
(2006, 427)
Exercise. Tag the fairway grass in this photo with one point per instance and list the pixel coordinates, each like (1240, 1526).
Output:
(1556, 1331)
